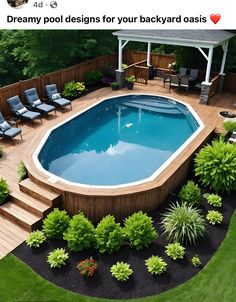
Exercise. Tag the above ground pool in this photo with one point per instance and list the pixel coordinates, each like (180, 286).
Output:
(119, 141)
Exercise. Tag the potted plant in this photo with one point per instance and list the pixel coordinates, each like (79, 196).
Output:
(130, 82)
(115, 86)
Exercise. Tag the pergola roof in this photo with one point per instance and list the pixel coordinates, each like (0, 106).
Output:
(191, 38)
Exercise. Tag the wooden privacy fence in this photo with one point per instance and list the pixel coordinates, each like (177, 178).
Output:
(60, 77)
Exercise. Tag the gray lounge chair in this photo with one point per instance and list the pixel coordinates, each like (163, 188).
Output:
(184, 83)
(36, 104)
(55, 97)
(6, 130)
(20, 111)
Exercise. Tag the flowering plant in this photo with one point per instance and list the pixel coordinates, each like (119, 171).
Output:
(172, 66)
(87, 267)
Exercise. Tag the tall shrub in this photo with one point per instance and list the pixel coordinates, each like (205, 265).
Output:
(139, 230)
(190, 194)
(215, 165)
(4, 190)
(56, 223)
(108, 235)
(80, 234)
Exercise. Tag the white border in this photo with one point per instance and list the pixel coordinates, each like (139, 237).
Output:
(53, 178)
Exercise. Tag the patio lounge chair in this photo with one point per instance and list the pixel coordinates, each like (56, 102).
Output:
(36, 104)
(20, 111)
(174, 81)
(55, 97)
(6, 130)
(182, 71)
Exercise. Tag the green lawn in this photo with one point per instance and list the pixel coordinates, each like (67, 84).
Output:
(215, 283)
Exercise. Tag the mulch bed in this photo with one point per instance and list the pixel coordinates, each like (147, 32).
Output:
(141, 283)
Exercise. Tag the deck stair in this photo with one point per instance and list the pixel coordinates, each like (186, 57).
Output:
(29, 204)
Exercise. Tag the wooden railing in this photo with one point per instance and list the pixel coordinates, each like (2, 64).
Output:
(214, 85)
(139, 70)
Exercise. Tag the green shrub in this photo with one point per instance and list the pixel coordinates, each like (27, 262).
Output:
(214, 217)
(4, 190)
(230, 126)
(155, 265)
(73, 89)
(56, 223)
(175, 251)
(196, 261)
(92, 78)
(139, 230)
(216, 166)
(190, 193)
(81, 233)
(57, 258)
(109, 235)
(70, 90)
(213, 200)
(21, 171)
(121, 271)
(35, 239)
(183, 223)
(1, 151)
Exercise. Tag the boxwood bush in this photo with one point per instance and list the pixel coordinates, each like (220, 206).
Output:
(215, 165)
(108, 235)
(183, 223)
(139, 230)
(56, 223)
(4, 190)
(93, 78)
(81, 233)
(190, 193)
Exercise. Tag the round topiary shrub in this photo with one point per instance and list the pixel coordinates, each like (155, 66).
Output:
(183, 223)
(139, 230)
(109, 235)
(56, 223)
(215, 165)
(190, 194)
(81, 233)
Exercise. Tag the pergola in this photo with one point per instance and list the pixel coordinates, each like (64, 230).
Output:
(200, 39)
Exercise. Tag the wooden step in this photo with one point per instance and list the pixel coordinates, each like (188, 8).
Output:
(31, 204)
(11, 235)
(38, 192)
(20, 216)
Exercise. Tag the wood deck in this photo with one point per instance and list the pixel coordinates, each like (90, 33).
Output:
(14, 153)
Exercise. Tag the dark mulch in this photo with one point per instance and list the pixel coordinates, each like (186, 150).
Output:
(141, 284)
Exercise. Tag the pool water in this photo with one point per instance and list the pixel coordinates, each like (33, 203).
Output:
(119, 141)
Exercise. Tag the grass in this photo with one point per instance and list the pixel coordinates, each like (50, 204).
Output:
(216, 282)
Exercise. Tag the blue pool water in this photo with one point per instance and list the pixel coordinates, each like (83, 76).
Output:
(119, 141)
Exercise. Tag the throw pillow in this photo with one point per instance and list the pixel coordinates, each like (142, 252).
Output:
(56, 96)
(22, 111)
(4, 126)
(36, 103)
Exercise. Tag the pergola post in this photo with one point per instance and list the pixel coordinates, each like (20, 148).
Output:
(206, 85)
(149, 64)
(120, 73)
(222, 74)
